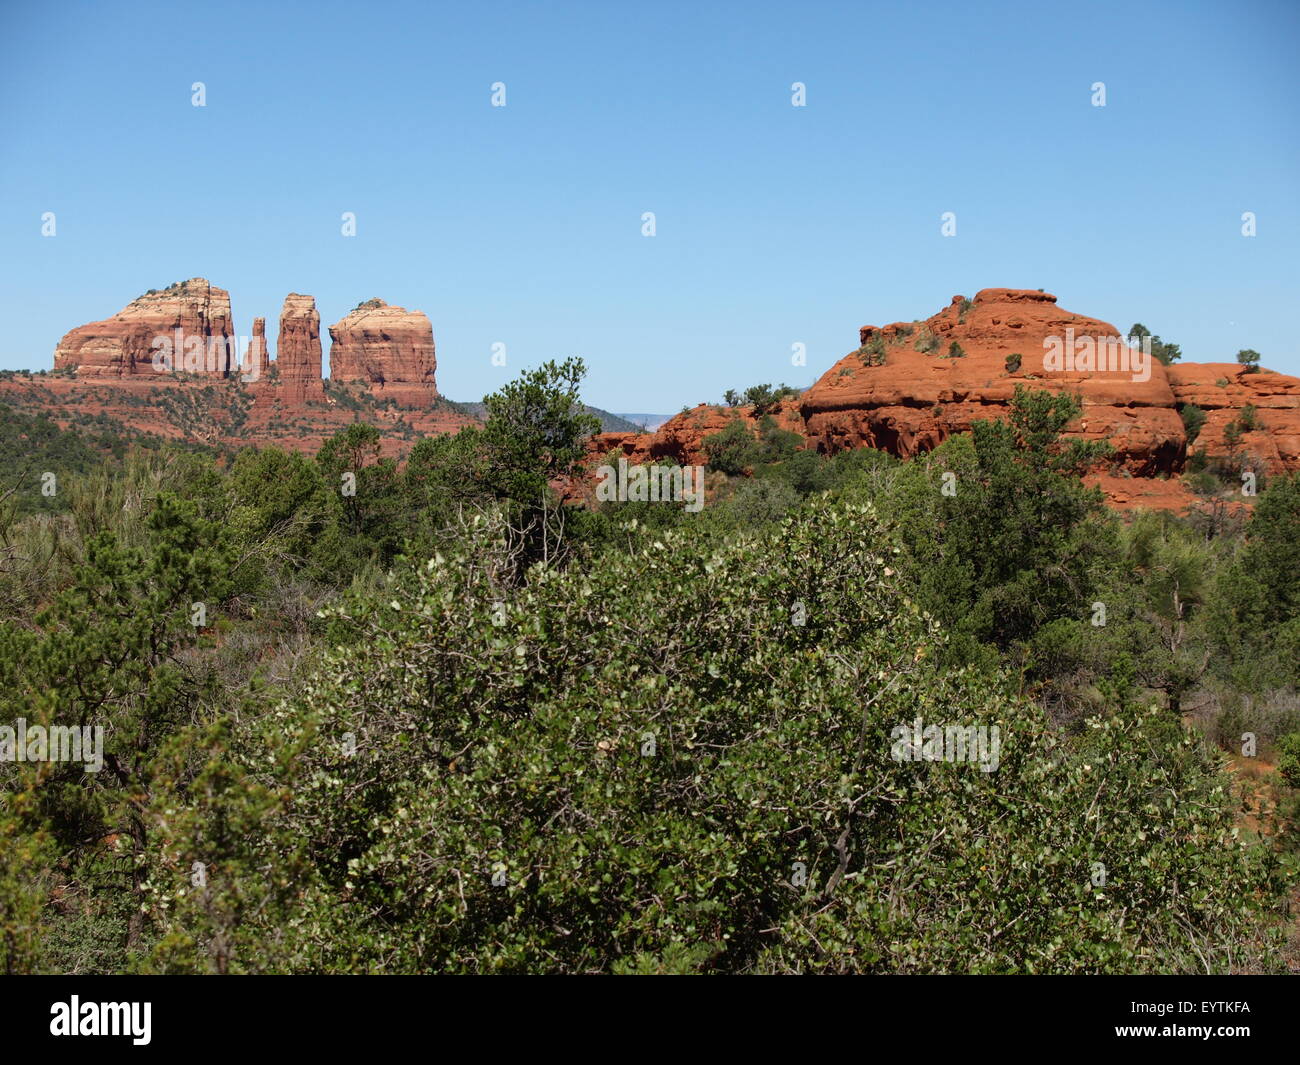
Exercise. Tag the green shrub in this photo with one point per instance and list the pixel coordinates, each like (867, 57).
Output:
(927, 343)
(1288, 758)
(733, 449)
(529, 771)
(1193, 420)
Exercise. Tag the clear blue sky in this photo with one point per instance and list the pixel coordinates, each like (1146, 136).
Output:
(776, 224)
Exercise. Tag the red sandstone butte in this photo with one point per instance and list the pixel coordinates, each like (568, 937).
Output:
(922, 394)
(389, 348)
(124, 344)
(298, 351)
(106, 369)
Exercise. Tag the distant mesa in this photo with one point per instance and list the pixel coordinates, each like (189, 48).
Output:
(389, 349)
(911, 385)
(383, 367)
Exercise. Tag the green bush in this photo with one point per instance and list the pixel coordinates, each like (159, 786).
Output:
(733, 449)
(1288, 758)
(553, 781)
(1193, 421)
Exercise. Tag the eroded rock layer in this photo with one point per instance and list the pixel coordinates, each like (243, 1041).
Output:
(191, 320)
(298, 355)
(389, 348)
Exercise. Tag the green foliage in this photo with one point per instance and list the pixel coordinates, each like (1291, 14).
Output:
(32, 446)
(1256, 606)
(536, 431)
(1249, 358)
(108, 652)
(873, 351)
(1014, 542)
(1288, 758)
(754, 503)
(1193, 421)
(1166, 353)
(1013, 362)
(596, 766)
(733, 449)
(956, 351)
(775, 444)
(763, 398)
(442, 723)
(366, 488)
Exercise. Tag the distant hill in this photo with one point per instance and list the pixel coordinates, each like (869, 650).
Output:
(609, 423)
(650, 422)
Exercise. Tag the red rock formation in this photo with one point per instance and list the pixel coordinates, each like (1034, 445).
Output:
(255, 359)
(191, 319)
(298, 350)
(115, 375)
(906, 390)
(682, 436)
(1223, 390)
(389, 348)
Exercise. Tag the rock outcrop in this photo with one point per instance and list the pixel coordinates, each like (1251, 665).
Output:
(298, 350)
(682, 436)
(1224, 390)
(256, 359)
(910, 385)
(190, 320)
(389, 348)
(387, 352)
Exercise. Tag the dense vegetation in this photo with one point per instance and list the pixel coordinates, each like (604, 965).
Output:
(363, 718)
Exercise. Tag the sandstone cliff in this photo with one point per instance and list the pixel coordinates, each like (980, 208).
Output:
(1223, 390)
(389, 348)
(298, 350)
(191, 319)
(682, 436)
(257, 358)
(107, 369)
(907, 388)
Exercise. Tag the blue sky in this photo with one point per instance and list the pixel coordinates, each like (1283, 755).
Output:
(775, 224)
